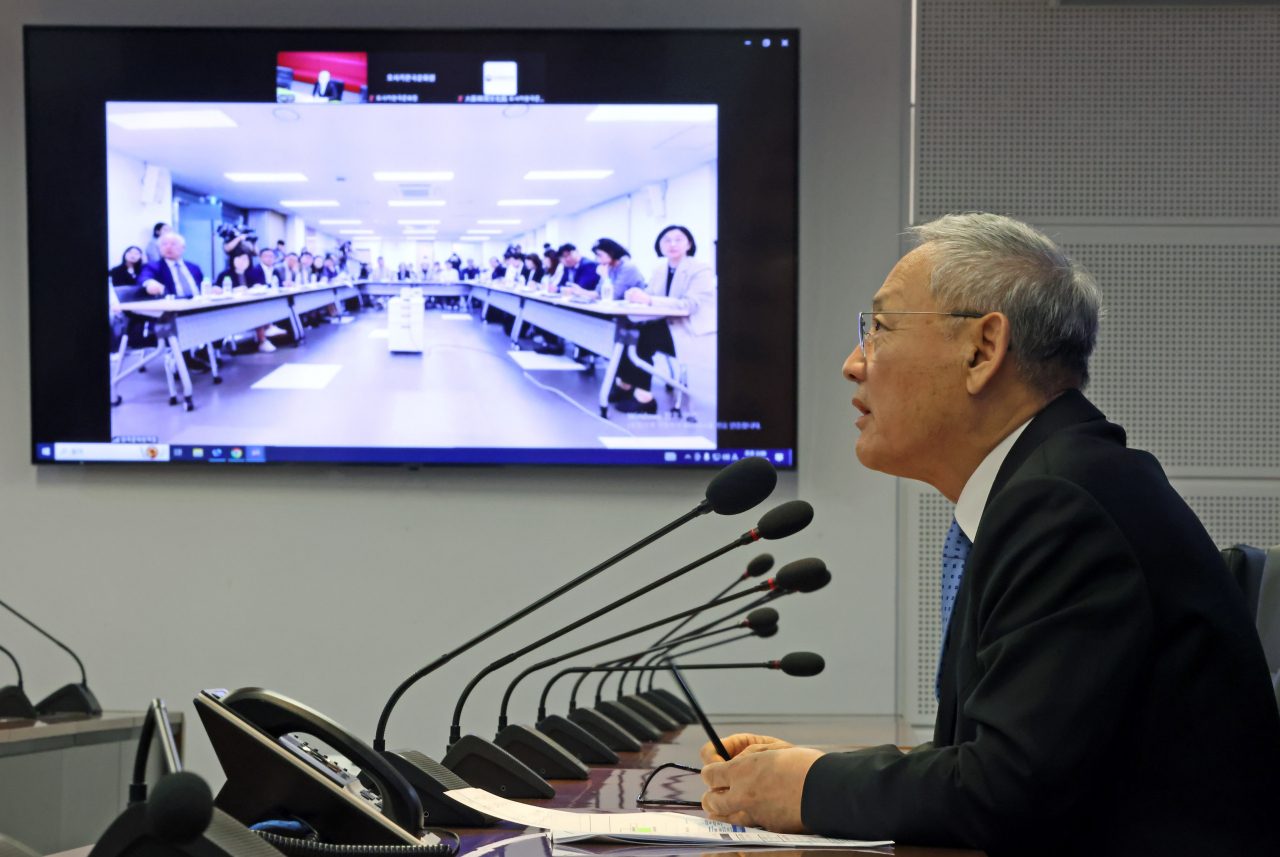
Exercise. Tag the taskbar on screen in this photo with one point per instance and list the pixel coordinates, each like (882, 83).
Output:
(142, 453)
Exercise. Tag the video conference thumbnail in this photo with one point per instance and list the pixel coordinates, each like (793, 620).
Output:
(412, 275)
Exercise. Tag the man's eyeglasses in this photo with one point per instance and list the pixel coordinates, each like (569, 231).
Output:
(867, 329)
(643, 800)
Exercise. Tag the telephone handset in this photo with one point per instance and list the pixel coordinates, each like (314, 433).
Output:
(272, 773)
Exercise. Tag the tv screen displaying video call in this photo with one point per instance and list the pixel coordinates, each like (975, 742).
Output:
(252, 246)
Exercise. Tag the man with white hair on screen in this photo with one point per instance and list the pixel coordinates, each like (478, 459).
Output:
(171, 275)
(1101, 688)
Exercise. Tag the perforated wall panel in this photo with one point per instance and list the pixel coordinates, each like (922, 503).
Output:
(1055, 114)
(1233, 520)
(934, 519)
(1188, 357)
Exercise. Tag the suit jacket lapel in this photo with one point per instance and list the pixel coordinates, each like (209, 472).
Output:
(1068, 409)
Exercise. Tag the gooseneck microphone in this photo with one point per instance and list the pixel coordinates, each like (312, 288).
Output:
(779, 522)
(71, 698)
(592, 748)
(761, 621)
(13, 699)
(799, 664)
(737, 488)
(807, 575)
(767, 617)
(519, 768)
(756, 568)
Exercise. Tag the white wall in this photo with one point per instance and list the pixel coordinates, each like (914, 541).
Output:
(130, 219)
(295, 233)
(270, 225)
(689, 199)
(331, 584)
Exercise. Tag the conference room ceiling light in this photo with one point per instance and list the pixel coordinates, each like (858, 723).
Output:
(418, 222)
(495, 222)
(266, 177)
(309, 203)
(484, 231)
(414, 203)
(420, 232)
(443, 176)
(167, 120)
(339, 222)
(356, 231)
(567, 175)
(653, 113)
(472, 238)
(528, 201)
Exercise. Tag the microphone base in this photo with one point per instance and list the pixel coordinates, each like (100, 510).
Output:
(132, 833)
(542, 753)
(612, 735)
(577, 740)
(650, 712)
(14, 703)
(487, 766)
(70, 699)
(431, 780)
(675, 707)
(629, 720)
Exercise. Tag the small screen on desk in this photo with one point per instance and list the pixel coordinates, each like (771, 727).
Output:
(547, 247)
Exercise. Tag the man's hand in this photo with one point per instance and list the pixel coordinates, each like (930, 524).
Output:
(742, 743)
(760, 789)
(154, 288)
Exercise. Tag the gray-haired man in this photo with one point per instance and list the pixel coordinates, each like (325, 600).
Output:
(1101, 687)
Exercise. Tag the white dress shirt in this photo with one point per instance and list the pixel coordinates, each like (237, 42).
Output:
(973, 497)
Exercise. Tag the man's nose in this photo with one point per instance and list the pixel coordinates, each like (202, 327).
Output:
(855, 366)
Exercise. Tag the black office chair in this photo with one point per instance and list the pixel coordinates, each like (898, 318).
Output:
(1257, 573)
(1245, 564)
(284, 77)
(134, 333)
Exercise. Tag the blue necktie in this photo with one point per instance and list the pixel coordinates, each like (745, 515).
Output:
(954, 553)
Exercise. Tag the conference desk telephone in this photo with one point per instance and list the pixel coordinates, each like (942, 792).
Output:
(288, 770)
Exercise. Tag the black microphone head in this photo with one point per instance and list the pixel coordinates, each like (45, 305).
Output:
(802, 664)
(761, 618)
(803, 575)
(767, 631)
(760, 565)
(785, 520)
(742, 485)
(180, 807)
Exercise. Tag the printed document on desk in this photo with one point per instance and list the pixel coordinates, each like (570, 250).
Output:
(653, 828)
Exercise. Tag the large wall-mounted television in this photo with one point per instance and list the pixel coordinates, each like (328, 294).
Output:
(257, 246)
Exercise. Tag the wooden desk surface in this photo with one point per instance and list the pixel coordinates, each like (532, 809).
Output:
(614, 789)
(19, 736)
(203, 303)
(602, 307)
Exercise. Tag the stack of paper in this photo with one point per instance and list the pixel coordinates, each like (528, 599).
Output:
(642, 828)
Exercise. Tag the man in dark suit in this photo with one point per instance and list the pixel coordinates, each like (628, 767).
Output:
(171, 275)
(1101, 688)
(575, 272)
(327, 88)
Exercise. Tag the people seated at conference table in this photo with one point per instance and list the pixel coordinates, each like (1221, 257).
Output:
(681, 284)
(131, 264)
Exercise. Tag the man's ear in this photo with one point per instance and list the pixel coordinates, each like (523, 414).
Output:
(988, 350)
